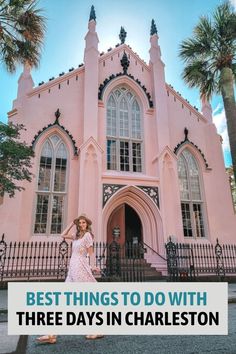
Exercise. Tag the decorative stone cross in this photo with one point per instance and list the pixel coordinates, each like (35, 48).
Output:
(57, 115)
(125, 63)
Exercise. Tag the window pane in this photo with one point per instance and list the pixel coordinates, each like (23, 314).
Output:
(193, 175)
(53, 162)
(45, 168)
(55, 139)
(136, 124)
(198, 219)
(195, 187)
(111, 117)
(183, 179)
(190, 190)
(136, 152)
(57, 214)
(111, 154)
(124, 118)
(41, 214)
(123, 122)
(117, 93)
(60, 169)
(186, 216)
(124, 156)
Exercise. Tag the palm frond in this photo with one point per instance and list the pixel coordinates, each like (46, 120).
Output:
(211, 48)
(198, 74)
(225, 27)
(204, 33)
(23, 28)
(190, 48)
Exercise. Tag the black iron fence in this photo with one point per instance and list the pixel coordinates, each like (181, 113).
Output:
(189, 261)
(32, 261)
(50, 260)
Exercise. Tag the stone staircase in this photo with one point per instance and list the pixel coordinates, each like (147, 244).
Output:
(132, 269)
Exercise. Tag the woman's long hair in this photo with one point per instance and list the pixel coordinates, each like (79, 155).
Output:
(80, 233)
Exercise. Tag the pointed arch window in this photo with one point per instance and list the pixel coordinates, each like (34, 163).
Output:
(124, 134)
(51, 191)
(192, 204)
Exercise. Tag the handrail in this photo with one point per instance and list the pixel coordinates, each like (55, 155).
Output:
(153, 250)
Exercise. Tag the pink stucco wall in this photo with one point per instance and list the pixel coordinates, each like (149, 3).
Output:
(84, 116)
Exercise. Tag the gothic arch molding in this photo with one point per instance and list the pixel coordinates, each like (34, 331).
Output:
(186, 143)
(146, 209)
(115, 80)
(57, 128)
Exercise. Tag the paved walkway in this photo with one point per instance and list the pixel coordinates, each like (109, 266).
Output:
(9, 343)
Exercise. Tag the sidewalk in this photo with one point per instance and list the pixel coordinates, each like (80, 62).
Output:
(232, 294)
(9, 343)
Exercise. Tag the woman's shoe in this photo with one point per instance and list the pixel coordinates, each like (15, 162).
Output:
(47, 339)
(94, 336)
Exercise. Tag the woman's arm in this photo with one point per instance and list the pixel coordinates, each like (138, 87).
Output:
(66, 234)
(92, 259)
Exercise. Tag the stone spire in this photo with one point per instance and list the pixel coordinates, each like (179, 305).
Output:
(91, 37)
(92, 15)
(122, 35)
(25, 82)
(153, 28)
(155, 51)
(206, 108)
(91, 58)
(159, 89)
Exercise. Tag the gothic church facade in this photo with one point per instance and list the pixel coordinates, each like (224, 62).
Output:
(114, 141)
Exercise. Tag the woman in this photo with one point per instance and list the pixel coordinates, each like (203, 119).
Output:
(79, 268)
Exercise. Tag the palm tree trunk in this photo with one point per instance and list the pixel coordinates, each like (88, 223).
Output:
(227, 90)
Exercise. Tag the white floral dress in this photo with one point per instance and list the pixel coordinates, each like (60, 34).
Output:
(79, 268)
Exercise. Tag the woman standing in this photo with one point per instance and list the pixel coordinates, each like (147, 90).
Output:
(79, 268)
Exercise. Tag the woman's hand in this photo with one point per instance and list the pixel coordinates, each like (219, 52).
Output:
(96, 269)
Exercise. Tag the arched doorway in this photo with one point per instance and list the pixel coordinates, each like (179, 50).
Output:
(149, 214)
(128, 221)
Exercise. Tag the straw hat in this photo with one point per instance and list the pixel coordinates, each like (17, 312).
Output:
(84, 217)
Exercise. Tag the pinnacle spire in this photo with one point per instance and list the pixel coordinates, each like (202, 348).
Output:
(122, 35)
(153, 28)
(92, 15)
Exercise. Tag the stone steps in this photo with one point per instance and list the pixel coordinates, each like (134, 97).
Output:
(136, 265)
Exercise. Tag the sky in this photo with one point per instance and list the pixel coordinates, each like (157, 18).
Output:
(67, 23)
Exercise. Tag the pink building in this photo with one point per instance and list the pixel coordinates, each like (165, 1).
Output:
(114, 141)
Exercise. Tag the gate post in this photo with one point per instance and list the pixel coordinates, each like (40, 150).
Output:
(3, 248)
(172, 263)
(63, 258)
(220, 270)
(114, 265)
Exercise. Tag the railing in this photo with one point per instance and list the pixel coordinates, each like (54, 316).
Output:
(188, 261)
(50, 260)
(153, 251)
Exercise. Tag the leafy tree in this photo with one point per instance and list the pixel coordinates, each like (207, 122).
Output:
(210, 63)
(22, 28)
(15, 159)
(232, 184)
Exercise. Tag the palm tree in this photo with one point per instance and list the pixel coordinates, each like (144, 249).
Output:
(22, 29)
(210, 63)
